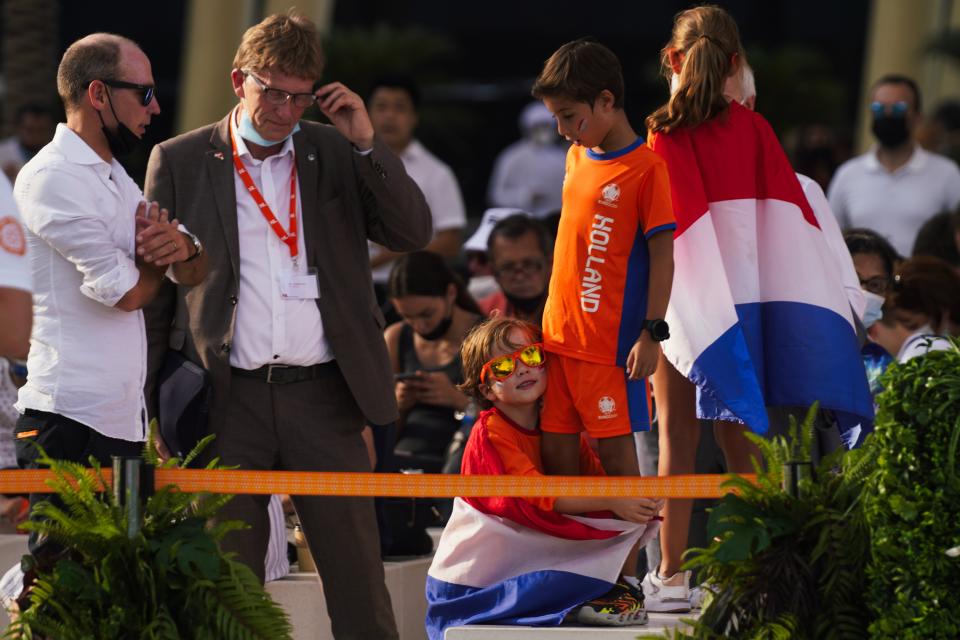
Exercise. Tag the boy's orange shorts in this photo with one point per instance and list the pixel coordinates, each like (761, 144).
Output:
(594, 397)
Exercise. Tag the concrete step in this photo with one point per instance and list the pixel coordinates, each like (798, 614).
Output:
(301, 596)
(659, 622)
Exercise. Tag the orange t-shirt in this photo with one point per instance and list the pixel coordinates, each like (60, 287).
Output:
(519, 450)
(612, 203)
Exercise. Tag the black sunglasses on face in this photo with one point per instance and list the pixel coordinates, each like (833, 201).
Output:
(147, 91)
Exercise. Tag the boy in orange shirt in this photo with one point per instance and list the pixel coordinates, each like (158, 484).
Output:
(612, 268)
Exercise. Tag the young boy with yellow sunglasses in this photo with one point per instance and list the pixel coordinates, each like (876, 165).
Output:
(503, 363)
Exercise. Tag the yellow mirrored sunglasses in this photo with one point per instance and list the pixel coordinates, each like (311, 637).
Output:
(501, 367)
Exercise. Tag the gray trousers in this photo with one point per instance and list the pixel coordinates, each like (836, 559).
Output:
(312, 425)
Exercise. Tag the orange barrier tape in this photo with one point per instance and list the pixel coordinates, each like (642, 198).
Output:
(309, 483)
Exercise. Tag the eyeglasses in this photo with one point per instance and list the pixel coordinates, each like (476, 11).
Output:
(528, 266)
(279, 97)
(502, 367)
(147, 91)
(895, 109)
(876, 284)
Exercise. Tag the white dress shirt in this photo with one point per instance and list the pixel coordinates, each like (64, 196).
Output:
(440, 189)
(894, 204)
(14, 268)
(87, 358)
(271, 329)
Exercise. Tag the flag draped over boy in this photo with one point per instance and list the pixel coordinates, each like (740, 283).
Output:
(506, 561)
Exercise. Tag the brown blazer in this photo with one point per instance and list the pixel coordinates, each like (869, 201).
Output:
(347, 198)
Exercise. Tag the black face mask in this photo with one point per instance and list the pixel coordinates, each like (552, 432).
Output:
(526, 305)
(122, 141)
(438, 331)
(891, 131)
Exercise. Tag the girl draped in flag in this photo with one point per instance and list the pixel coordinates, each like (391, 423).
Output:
(529, 561)
(757, 317)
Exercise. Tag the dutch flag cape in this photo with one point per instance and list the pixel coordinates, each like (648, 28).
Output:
(758, 317)
(506, 561)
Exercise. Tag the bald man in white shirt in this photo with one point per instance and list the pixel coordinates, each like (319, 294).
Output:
(98, 254)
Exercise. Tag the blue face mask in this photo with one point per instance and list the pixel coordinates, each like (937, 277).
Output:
(873, 310)
(247, 131)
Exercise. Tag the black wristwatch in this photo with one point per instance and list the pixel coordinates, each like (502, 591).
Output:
(659, 329)
(196, 245)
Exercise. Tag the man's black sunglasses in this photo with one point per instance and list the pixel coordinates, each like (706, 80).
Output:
(147, 91)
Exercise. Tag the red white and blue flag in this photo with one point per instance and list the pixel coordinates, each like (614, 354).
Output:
(757, 315)
(505, 561)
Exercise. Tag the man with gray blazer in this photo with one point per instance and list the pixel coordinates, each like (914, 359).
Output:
(286, 322)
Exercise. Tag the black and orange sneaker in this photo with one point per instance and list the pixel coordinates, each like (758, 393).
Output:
(619, 607)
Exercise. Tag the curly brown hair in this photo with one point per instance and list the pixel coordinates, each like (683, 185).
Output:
(478, 346)
(926, 285)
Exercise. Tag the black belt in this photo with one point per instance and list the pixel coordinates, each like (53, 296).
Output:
(285, 374)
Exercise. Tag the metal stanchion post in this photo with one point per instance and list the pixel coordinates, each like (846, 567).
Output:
(132, 485)
(793, 472)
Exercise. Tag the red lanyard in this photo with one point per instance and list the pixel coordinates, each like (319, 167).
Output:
(288, 237)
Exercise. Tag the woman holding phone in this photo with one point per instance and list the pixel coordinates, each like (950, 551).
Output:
(437, 313)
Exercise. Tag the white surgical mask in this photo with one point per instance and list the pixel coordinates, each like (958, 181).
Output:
(674, 83)
(247, 131)
(873, 310)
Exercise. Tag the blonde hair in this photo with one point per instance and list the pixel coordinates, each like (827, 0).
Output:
(709, 41)
(478, 346)
(286, 42)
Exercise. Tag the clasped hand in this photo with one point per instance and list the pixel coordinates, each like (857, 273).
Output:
(159, 242)
(638, 510)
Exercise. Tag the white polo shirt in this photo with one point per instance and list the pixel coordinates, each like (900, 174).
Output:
(440, 189)
(894, 204)
(87, 358)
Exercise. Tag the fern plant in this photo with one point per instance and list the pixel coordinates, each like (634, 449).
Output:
(785, 566)
(169, 581)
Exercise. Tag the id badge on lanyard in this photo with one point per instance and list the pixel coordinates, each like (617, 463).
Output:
(300, 286)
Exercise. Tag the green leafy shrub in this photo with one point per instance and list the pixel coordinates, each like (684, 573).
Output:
(913, 501)
(169, 581)
(782, 566)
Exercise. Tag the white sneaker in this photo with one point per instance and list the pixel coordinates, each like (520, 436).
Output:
(667, 598)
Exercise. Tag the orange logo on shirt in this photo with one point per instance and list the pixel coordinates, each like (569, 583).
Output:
(11, 236)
